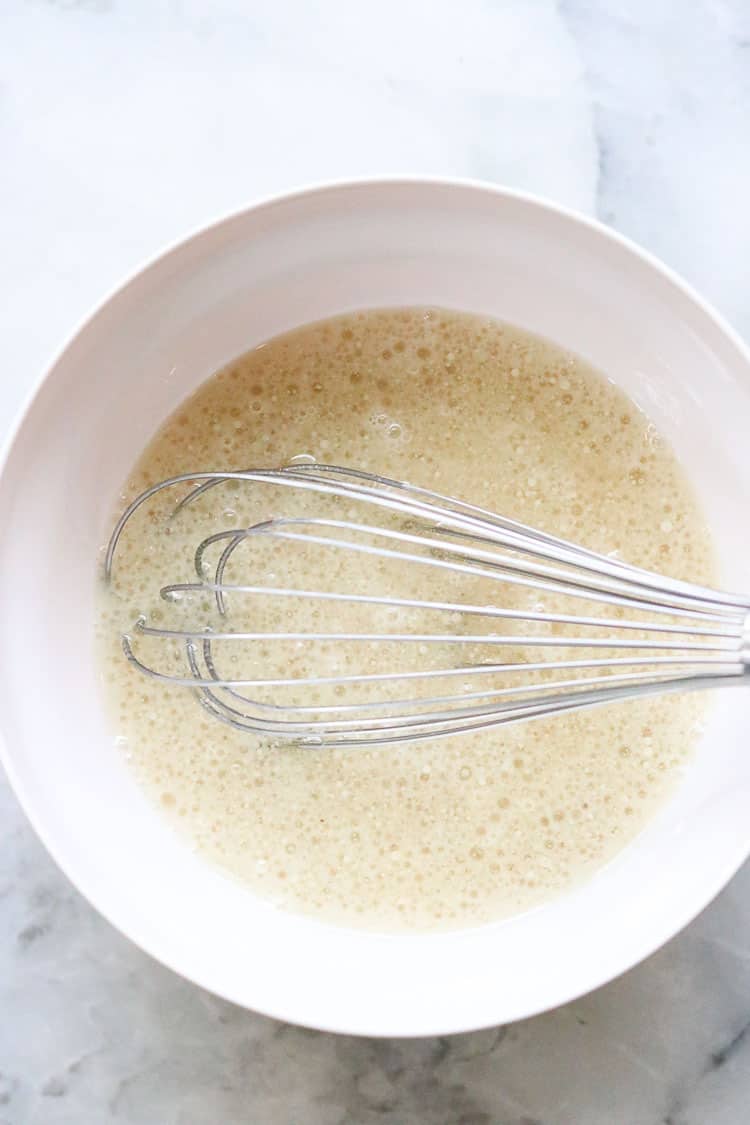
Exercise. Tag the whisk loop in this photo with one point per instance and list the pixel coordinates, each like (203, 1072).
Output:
(651, 634)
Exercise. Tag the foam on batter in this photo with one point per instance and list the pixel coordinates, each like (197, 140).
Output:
(443, 833)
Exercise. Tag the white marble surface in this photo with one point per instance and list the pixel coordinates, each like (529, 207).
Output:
(125, 123)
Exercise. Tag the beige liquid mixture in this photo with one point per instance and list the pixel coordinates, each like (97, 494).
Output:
(436, 834)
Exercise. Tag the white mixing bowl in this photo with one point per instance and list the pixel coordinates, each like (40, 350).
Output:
(275, 266)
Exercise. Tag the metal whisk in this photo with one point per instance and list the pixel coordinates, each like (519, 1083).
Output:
(640, 634)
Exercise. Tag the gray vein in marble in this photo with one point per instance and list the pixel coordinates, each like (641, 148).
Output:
(669, 86)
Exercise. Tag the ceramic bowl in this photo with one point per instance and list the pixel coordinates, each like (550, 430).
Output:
(268, 269)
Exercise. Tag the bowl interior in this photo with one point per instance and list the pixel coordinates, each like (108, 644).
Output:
(260, 273)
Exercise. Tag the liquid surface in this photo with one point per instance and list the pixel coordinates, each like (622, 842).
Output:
(440, 833)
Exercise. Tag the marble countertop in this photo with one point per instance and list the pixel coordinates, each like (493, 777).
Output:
(123, 125)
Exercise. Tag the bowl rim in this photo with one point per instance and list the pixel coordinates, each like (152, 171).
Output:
(724, 872)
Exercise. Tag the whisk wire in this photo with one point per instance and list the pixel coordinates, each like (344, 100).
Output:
(682, 637)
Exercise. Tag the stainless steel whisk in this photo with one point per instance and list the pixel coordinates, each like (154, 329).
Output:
(658, 635)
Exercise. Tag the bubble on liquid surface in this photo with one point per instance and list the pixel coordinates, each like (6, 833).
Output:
(433, 834)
